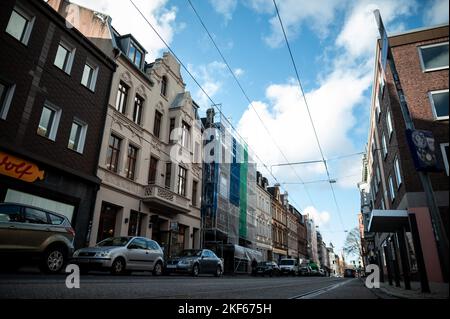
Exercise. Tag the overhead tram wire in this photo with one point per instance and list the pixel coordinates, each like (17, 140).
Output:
(209, 98)
(249, 100)
(309, 112)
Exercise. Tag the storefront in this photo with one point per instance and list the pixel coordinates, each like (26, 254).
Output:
(30, 182)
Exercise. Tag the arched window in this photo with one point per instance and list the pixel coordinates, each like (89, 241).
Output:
(164, 86)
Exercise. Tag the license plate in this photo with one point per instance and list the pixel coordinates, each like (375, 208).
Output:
(171, 266)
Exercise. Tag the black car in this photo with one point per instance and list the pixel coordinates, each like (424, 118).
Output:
(195, 262)
(268, 268)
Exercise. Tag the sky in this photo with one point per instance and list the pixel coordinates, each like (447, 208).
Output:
(333, 45)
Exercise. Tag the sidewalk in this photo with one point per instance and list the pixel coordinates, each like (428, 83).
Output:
(438, 291)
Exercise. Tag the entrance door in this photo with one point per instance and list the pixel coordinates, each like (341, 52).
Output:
(134, 227)
(107, 224)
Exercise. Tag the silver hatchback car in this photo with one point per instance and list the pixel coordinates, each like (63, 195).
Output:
(121, 255)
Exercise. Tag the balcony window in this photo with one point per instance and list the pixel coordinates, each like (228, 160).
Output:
(168, 176)
(153, 170)
(182, 174)
(434, 57)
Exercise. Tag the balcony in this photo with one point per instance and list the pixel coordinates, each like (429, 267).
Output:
(164, 198)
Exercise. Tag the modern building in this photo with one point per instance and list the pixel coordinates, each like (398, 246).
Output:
(263, 218)
(394, 205)
(54, 90)
(150, 159)
(279, 224)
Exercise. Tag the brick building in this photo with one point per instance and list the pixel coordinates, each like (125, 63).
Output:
(54, 87)
(279, 224)
(392, 183)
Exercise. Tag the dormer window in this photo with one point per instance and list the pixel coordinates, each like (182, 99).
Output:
(135, 55)
(164, 86)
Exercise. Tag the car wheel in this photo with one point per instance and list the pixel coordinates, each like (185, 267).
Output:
(54, 260)
(118, 266)
(218, 272)
(158, 269)
(195, 270)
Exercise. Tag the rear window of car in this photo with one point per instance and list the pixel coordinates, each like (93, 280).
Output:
(287, 262)
(55, 220)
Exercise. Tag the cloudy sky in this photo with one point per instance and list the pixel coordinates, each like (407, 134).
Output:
(333, 42)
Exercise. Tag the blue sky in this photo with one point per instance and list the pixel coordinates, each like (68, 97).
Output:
(333, 42)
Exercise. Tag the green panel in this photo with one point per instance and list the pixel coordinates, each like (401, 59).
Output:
(243, 196)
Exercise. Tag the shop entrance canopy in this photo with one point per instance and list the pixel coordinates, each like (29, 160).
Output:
(388, 221)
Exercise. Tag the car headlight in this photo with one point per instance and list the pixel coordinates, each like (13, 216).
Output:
(103, 253)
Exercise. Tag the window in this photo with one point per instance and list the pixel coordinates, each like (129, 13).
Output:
(377, 107)
(48, 124)
(383, 206)
(121, 99)
(77, 136)
(164, 86)
(194, 193)
(135, 55)
(185, 135)
(131, 162)
(153, 170)
(398, 176)
(64, 57)
(171, 128)
(10, 213)
(434, 57)
(381, 84)
(112, 159)
(439, 102)
(391, 188)
(20, 25)
(55, 220)
(34, 216)
(182, 181)
(197, 158)
(138, 243)
(444, 150)
(168, 175)
(385, 150)
(389, 124)
(6, 94)
(157, 124)
(137, 112)
(89, 76)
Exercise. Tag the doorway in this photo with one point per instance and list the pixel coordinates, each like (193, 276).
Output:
(135, 224)
(107, 224)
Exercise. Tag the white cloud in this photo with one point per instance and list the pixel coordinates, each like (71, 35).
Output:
(295, 13)
(360, 30)
(438, 13)
(126, 19)
(260, 6)
(224, 7)
(239, 72)
(319, 218)
(210, 77)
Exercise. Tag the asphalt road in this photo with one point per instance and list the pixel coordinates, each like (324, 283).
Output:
(32, 285)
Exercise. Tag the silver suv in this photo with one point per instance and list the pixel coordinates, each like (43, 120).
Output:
(29, 233)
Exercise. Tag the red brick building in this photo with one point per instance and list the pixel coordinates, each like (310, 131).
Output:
(394, 187)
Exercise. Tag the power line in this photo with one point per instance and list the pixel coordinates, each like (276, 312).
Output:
(206, 94)
(309, 112)
(247, 97)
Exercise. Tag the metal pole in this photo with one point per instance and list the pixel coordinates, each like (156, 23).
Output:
(404, 258)
(436, 220)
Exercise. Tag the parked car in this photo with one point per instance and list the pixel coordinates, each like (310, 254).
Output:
(289, 266)
(349, 273)
(121, 255)
(315, 272)
(31, 234)
(305, 271)
(268, 268)
(195, 262)
(322, 272)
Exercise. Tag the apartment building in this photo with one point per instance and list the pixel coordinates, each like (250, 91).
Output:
(263, 218)
(279, 224)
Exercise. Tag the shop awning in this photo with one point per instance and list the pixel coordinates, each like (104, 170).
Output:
(387, 221)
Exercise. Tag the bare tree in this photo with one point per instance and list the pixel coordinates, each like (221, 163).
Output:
(352, 245)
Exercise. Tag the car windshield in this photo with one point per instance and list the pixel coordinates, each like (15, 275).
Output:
(191, 253)
(114, 242)
(265, 263)
(287, 262)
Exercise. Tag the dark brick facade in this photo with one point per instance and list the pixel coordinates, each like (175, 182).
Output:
(70, 176)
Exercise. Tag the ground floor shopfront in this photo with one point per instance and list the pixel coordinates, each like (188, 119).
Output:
(49, 188)
(120, 213)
